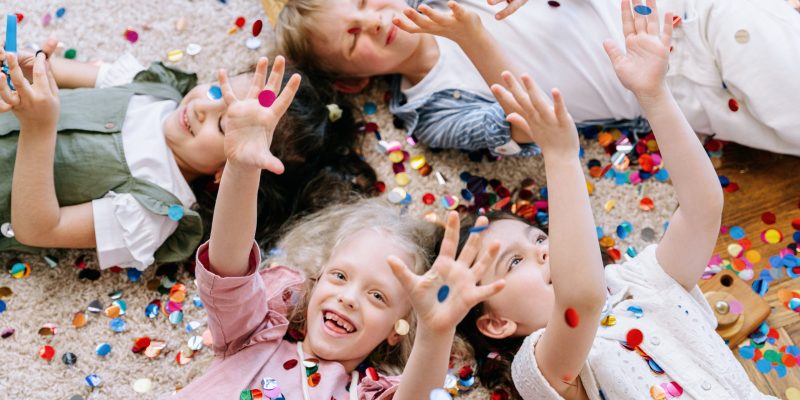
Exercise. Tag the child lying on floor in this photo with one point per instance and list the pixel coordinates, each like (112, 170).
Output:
(120, 163)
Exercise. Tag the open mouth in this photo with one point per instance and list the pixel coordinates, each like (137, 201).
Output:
(391, 34)
(185, 120)
(337, 323)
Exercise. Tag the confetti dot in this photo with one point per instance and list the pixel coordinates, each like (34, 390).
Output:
(733, 105)
(478, 229)
(60, 12)
(257, 26)
(131, 36)
(771, 236)
(370, 108)
(642, 9)
(634, 338)
(214, 92)
(444, 291)
(70, 54)
(266, 98)
(737, 232)
(763, 366)
(571, 317)
(240, 21)
(768, 218)
(175, 212)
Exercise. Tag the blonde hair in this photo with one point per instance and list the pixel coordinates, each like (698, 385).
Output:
(309, 243)
(293, 33)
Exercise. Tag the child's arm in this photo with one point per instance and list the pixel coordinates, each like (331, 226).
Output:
(248, 135)
(688, 243)
(464, 28)
(36, 216)
(576, 268)
(437, 320)
(67, 73)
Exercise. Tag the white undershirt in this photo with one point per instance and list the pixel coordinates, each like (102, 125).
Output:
(127, 234)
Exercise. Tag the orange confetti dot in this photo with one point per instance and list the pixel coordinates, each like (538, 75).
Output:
(646, 204)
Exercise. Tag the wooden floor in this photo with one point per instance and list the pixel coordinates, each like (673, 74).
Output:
(768, 182)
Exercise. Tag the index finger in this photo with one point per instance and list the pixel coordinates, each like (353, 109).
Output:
(627, 18)
(227, 92)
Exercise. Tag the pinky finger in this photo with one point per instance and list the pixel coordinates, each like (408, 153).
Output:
(227, 91)
(406, 25)
(517, 120)
(666, 35)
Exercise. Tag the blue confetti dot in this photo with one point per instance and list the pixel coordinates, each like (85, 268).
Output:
(117, 325)
(370, 108)
(775, 261)
(747, 352)
(760, 286)
(103, 349)
(443, 292)
(176, 317)
(793, 350)
(724, 181)
(637, 311)
(175, 212)
(151, 311)
(624, 230)
(543, 193)
(197, 301)
(662, 175)
(763, 366)
(478, 229)
(2, 306)
(737, 232)
(214, 92)
(60, 12)
(643, 9)
(631, 251)
(466, 194)
(134, 274)
(464, 176)
(93, 380)
(407, 199)
(599, 232)
(796, 236)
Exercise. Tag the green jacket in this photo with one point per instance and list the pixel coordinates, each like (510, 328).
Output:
(89, 157)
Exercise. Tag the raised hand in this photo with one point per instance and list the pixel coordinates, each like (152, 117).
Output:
(642, 68)
(550, 126)
(249, 126)
(36, 105)
(454, 26)
(513, 5)
(460, 275)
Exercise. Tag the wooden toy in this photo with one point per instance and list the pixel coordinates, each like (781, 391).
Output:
(739, 310)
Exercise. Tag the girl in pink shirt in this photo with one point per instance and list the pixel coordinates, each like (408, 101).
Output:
(340, 325)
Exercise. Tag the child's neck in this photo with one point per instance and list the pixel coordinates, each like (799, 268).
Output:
(188, 173)
(420, 63)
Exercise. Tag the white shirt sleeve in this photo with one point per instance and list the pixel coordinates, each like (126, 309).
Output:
(119, 72)
(127, 234)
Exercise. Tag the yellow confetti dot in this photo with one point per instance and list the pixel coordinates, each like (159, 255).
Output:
(753, 256)
(652, 146)
(609, 320)
(793, 393)
(772, 236)
(418, 161)
(607, 241)
(735, 249)
(232, 30)
(402, 179)
(396, 156)
(175, 55)
(610, 205)
(589, 187)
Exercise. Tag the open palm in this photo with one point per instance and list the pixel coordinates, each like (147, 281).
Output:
(642, 67)
(248, 125)
(461, 276)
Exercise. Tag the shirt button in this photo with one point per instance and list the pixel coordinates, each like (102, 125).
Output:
(706, 385)
(655, 341)
(109, 125)
(456, 94)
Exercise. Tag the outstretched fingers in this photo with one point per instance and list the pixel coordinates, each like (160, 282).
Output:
(225, 85)
(284, 100)
(486, 261)
(628, 27)
(614, 52)
(403, 274)
(276, 75)
(17, 78)
(666, 34)
(470, 250)
(259, 77)
(562, 114)
(450, 241)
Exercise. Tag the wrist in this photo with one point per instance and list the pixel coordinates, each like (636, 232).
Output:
(653, 97)
(473, 37)
(428, 332)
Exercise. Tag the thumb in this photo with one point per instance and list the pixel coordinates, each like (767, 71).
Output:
(273, 164)
(613, 51)
(402, 272)
(49, 46)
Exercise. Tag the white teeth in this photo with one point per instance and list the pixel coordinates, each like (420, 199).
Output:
(340, 322)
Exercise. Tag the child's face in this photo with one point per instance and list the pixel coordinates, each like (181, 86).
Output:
(358, 39)
(194, 131)
(357, 299)
(526, 302)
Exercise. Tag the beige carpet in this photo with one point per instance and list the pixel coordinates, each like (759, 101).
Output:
(53, 295)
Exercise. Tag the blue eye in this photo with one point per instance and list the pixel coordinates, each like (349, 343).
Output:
(378, 296)
(338, 275)
(541, 239)
(514, 262)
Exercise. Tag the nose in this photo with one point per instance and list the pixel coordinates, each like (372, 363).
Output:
(203, 108)
(541, 254)
(373, 22)
(348, 299)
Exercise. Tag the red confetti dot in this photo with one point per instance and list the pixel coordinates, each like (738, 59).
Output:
(371, 127)
(47, 352)
(257, 27)
(553, 4)
(428, 198)
(732, 187)
(290, 364)
(380, 186)
(796, 224)
(20, 17)
(240, 22)
(646, 162)
(733, 105)
(615, 254)
(768, 218)
(572, 318)
(373, 374)
(131, 36)
(634, 337)
(646, 204)
(465, 372)
(314, 379)
(676, 20)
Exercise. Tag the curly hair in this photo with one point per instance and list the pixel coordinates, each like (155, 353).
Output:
(329, 228)
(321, 156)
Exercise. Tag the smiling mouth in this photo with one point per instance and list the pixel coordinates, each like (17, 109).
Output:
(185, 120)
(337, 323)
(391, 34)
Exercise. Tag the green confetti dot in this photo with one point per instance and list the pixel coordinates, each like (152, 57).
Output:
(70, 54)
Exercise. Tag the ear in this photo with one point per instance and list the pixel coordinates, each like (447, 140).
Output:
(495, 327)
(351, 85)
(394, 339)
(218, 174)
